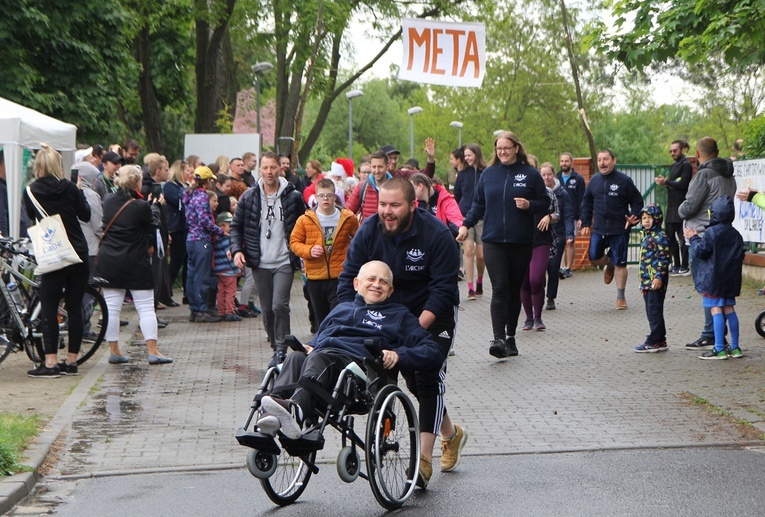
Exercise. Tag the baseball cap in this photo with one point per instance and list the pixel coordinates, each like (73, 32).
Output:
(224, 217)
(389, 149)
(111, 156)
(203, 172)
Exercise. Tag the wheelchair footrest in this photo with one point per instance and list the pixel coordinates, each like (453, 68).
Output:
(309, 442)
(259, 441)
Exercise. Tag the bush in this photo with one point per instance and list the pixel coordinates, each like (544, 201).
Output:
(16, 432)
(754, 138)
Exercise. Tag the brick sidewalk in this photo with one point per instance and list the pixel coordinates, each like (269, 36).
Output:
(577, 385)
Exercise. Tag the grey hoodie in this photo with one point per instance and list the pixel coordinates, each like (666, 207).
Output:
(713, 179)
(92, 229)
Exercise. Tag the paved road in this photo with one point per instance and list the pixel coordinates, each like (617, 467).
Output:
(679, 482)
(576, 386)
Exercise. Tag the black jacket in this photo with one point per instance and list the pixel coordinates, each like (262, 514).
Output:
(464, 188)
(176, 211)
(64, 198)
(245, 228)
(123, 257)
(608, 198)
(677, 187)
(575, 186)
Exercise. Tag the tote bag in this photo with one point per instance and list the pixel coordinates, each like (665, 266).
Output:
(53, 251)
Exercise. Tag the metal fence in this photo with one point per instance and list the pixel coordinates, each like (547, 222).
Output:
(643, 177)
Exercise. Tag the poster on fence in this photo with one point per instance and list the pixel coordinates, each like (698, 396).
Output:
(449, 54)
(750, 218)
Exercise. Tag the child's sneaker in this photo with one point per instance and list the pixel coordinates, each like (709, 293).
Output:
(715, 355)
(656, 347)
(735, 353)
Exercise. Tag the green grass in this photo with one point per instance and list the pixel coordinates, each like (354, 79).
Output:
(16, 432)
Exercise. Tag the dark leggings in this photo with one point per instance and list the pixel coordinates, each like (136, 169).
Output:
(553, 280)
(177, 258)
(507, 265)
(533, 288)
(677, 247)
(71, 281)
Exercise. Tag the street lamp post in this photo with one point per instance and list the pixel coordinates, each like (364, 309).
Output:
(458, 125)
(412, 112)
(258, 69)
(350, 96)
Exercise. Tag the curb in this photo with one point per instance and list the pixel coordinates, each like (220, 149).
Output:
(15, 488)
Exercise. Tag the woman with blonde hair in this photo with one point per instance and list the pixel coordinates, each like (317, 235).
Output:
(56, 195)
(223, 165)
(123, 260)
(176, 221)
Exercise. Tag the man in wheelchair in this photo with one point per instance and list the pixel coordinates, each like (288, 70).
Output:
(340, 341)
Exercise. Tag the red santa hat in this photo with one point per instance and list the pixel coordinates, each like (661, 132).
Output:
(347, 165)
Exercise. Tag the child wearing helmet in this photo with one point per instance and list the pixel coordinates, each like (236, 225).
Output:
(655, 260)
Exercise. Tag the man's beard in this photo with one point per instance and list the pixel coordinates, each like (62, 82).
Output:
(403, 225)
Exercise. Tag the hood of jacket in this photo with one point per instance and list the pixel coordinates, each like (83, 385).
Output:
(88, 172)
(722, 211)
(283, 185)
(722, 166)
(654, 211)
(49, 186)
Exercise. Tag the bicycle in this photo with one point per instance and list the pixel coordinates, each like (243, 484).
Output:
(20, 306)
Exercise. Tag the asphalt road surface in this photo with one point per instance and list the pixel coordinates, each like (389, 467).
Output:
(650, 482)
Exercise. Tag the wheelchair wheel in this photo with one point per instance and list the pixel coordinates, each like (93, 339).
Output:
(260, 464)
(759, 324)
(392, 447)
(289, 479)
(348, 464)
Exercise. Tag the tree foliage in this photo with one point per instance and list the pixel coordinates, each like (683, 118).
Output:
(655, 32)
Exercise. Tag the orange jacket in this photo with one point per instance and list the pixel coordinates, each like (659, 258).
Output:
(309, 233)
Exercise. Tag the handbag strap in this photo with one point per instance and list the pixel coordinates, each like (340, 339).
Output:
(37, 204)
(106, 230)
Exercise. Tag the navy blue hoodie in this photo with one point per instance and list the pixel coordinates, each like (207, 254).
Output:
(720, 251)
(464, 188)
(424, 260)
(390, 324)
(609, 197)
(494, 202)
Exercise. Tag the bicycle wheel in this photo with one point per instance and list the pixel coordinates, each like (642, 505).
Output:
(5, 348)
(289, 480)
(392, 447)
(96, 317)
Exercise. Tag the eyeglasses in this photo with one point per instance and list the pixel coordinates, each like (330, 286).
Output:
(504, 149)
(325, 196)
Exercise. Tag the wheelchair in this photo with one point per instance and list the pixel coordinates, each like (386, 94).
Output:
(391, 443)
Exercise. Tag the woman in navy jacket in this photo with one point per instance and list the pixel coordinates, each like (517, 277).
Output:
(508, 195)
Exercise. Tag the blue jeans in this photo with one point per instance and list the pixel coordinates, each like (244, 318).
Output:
(199, 278)
(709, 331)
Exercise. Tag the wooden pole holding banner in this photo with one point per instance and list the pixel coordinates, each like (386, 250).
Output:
(579, 100)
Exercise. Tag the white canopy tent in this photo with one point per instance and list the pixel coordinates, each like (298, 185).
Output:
(20, 128)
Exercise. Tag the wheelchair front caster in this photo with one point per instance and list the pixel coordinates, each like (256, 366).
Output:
(348, 464)
(260, 464)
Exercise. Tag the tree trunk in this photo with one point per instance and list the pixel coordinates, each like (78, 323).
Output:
(149, 104)
(579, 101)
(209, 45)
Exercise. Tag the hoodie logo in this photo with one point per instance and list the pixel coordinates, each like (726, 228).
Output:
(414, 255)
(614, 190)
(520, 180)
(374, 319)
(520, 177)
(572, 182)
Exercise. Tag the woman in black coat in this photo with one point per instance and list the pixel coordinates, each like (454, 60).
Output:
(59, 196)
(123, 260)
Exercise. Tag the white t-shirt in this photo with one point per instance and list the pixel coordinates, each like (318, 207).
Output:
(329, 225)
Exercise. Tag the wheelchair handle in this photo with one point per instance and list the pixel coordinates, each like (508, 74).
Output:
(373, 348)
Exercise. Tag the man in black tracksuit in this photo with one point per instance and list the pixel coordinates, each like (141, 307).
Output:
(424, 258)
(610, 205)
(575, 186)
(677, 183)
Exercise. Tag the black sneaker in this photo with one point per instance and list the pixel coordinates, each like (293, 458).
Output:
(674, 271)
(67, 369)
(510, 347)
(277, 358)
(205, 317)
(550, 305)
(683, 271)
(43, 372)
(701, 343)
(497, 349)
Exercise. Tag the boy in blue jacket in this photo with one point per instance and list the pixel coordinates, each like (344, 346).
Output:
(654, 274)
(225, 270)
(720, 252)
(340, 341)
